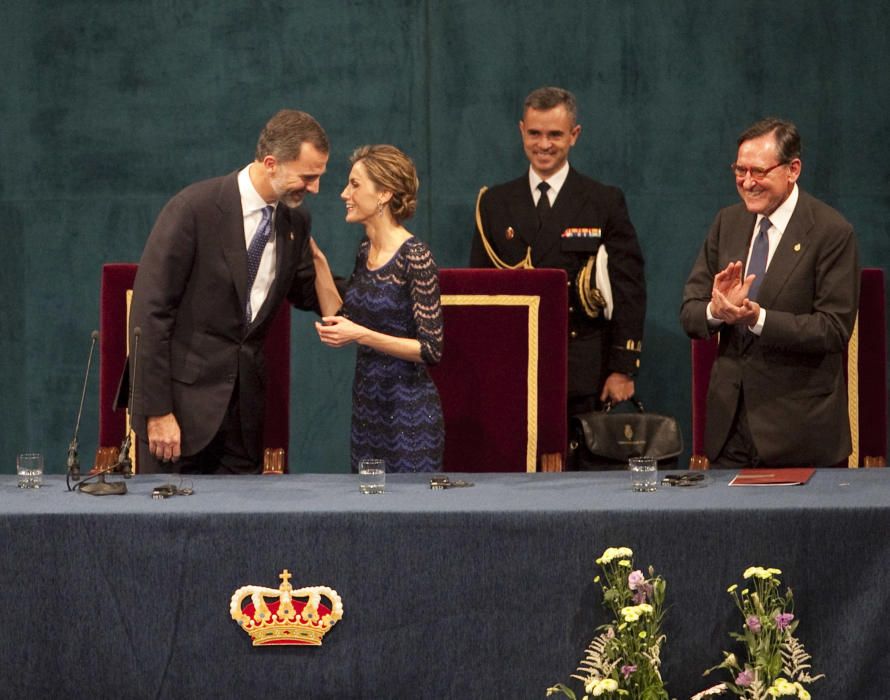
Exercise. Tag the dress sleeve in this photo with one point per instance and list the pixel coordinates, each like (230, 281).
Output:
(423, 281)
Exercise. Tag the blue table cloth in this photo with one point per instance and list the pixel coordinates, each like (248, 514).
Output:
(476, 592)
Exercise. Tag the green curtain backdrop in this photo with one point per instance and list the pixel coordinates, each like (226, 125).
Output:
(109, 108)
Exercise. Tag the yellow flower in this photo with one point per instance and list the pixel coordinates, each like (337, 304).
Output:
(605, 685)
(760, 572)
(643, 634)
(613, 553)
(632, 613)
(782, 686)
(732, 588)
(624, 562)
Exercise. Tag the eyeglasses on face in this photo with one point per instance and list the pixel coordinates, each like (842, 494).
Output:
(756, 173)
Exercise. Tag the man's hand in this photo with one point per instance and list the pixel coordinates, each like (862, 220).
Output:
(164, 437)
(618, 387)
(731, 285)
(746, 312)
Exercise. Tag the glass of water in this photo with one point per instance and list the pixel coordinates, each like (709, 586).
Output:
(643, 473)
(29, 466)
(371, 475)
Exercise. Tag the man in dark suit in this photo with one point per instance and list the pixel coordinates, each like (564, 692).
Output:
(777, 394)
(553, 216)
(221, 257)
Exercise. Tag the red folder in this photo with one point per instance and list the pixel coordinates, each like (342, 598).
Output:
(793, 476)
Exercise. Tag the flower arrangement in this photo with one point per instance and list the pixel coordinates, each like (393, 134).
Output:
(623, 660)
(777, 664)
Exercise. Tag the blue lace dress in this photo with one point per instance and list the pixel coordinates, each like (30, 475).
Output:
(396, 412)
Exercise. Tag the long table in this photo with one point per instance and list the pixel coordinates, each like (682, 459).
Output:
(477, 592)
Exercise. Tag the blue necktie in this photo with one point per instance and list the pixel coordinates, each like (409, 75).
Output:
(255, 254)
(759, 253)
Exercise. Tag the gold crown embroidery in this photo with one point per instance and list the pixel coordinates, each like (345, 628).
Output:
(286, 620)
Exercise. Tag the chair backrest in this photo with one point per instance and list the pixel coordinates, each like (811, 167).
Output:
(117, 281)
(502, 378)
(866, 379)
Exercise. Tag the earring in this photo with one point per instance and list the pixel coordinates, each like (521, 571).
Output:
(379, 208)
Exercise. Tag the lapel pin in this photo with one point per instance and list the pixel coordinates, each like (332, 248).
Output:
(797, 247)
(509, 233)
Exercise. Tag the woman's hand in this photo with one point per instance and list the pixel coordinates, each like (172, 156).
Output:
(337, 331)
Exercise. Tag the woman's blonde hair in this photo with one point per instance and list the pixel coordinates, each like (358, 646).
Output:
(391, 170)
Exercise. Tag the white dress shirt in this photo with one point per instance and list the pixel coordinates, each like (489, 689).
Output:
(252, 208)
(556, 181)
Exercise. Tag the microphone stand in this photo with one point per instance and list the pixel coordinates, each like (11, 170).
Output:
(117, 488)
(73, 466)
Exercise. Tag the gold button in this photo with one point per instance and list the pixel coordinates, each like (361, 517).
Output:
(574, 334)
(571, 309)
(509, 233)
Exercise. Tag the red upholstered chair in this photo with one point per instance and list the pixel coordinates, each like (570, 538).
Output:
(866, 380)
(117, 282)
(502, 378)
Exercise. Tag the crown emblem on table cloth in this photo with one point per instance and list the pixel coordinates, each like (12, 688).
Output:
(294, 617)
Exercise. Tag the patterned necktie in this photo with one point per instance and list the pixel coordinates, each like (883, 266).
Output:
(757, 264)
(255, 254)
(543, 202)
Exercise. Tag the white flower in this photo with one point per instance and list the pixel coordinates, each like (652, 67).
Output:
(718, 689)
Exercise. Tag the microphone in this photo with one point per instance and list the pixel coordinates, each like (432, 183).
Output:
(124, 463)
(73, 466)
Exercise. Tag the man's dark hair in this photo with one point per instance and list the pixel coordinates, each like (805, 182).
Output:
(286, 132)
(549, 97)
(786, 135)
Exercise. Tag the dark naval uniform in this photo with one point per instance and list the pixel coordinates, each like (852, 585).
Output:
(585, 216)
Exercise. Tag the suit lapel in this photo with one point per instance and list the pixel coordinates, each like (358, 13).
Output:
(522, 212)
(231, 232)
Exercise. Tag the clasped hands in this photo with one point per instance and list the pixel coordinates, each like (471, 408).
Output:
(337, 331)
(729, 296)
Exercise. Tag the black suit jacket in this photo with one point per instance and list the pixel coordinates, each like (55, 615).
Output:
(792, 375)
(596, 346)
(189, 299)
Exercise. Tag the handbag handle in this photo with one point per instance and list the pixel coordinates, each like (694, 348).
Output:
(607, 406)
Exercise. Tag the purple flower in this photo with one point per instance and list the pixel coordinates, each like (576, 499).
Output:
(642, 594)
(753, 623)
(744, 679)
(783, 620)
(628, 669)
(635, 579)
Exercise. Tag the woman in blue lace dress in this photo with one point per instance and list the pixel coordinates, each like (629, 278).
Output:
(391, 311)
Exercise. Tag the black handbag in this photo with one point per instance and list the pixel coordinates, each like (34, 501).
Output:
(606, 439)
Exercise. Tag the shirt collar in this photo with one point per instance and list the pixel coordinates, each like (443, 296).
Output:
(556, 181)
(251, 202)
(782, 215)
